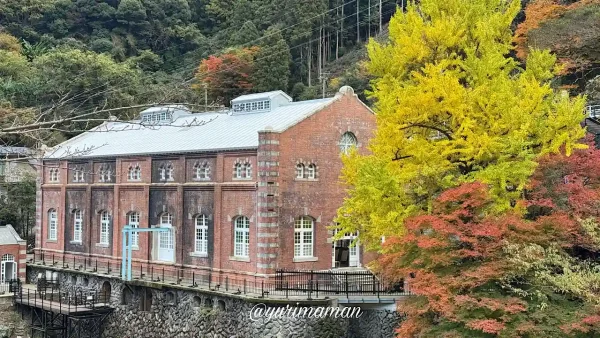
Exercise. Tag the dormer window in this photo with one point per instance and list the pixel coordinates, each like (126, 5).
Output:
(155, 117)
(166, 172)
(255, 106)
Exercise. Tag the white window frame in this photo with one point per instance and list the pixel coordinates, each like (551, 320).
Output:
(347, 142)
(77, 225)
(311, 172)
(134, 173)
(247, 170)
(241, 243)
(300, 171)
(133, 220)
(104, 227)
(52, 224)
(105, 174)
(201, 234)
(170, 173)
(202, 171)
(238, 170)
(54, 175)
(304, 237)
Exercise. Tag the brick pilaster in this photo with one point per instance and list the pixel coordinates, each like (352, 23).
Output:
(267, 197)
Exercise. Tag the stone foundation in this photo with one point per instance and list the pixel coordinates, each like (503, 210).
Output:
(161, 311)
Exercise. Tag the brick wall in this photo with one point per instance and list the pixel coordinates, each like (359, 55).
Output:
(272, 198)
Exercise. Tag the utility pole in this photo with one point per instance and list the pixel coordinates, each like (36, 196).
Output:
(323, 79)
(205, 97)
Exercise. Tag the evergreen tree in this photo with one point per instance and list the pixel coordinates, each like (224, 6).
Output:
(245, 35)
(272, 63)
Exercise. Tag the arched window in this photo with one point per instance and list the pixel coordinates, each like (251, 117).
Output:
(77, 225)
(104, 227)
(52, 224)
(347, 142)
(54, 175)
(78, 175)
(201, 171)
(166, 172)
(241, 246)
(134, 173)
(303, 237)
(105, 173)
(201, 243)
(133, 220)
(312, 171)
(300, 170)
(243, 170)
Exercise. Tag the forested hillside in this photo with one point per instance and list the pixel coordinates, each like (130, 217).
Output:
(65, 58)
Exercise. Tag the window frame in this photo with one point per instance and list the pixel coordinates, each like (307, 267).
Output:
(77, 226)
(201, 234)
(135, 236)
(202, 171)
(304, 237)
(134, 173)
(311, 173)
(241, 237)
(300, 171)
(54, 175)
(52, 224)
(347, 141)
(104, 237)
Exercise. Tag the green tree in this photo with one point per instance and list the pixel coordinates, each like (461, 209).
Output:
(272, 63)
(452, 107)
(245, 35)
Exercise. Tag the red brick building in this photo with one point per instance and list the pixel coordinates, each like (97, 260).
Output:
(13, 254)
(244, 191)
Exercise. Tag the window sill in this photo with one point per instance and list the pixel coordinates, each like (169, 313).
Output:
(305, 259)
(239, 259)
(135, 248)
(51, 241)
(102, 245)
(76, 242)
(242, 179)
(306, 179)
(199, 255)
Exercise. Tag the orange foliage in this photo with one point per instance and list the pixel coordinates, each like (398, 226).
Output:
(539, 11)
(457, 260)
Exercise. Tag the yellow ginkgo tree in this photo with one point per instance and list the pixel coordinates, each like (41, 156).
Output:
(453, 106)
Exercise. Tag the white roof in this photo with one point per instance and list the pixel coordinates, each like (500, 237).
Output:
(8, 235)
(211, 131)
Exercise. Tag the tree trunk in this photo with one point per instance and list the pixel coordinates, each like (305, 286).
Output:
(342, 24)
(357, 22)
(369, 18)
(309, 57)
(380, 17)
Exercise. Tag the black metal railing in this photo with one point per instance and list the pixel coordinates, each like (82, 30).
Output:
(287, 283)
(361, 282)
(61, 301)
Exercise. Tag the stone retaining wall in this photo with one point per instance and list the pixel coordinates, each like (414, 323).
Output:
(166, 312)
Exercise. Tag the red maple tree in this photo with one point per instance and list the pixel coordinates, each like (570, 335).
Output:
(533, 271)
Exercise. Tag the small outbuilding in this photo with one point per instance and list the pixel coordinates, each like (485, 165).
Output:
(13, 254)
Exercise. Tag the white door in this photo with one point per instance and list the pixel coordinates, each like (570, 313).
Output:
(354, 259)
(8, 268)
(166, 247)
